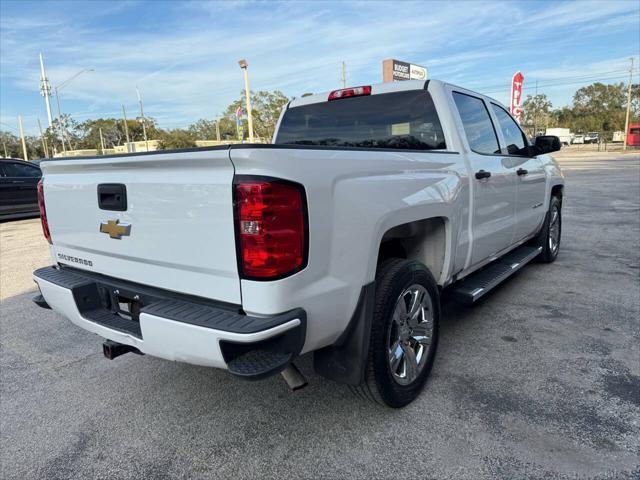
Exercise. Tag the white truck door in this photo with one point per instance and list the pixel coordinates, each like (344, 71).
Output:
(530, 177)
(494, 183)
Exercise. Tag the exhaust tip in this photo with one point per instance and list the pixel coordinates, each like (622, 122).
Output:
(112, 349)
(294, 377)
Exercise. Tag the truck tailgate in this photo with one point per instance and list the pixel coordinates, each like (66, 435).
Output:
(179, 209)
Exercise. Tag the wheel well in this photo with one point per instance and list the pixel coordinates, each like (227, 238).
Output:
(557, 191)
(421, 240)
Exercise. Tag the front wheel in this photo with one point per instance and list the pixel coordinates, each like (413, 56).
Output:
(404, 333)
(549, 236)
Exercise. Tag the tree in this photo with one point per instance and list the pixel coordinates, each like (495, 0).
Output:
(537, 111)
(266, 107)
(599, 107)
(176, 138)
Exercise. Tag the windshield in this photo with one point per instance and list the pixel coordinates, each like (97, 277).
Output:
(399, 120)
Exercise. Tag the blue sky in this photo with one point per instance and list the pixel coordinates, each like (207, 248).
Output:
(183, 55)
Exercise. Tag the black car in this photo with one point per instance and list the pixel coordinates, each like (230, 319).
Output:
(18, 188)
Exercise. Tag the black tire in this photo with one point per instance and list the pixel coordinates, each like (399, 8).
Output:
(395, 277)
(550, 249)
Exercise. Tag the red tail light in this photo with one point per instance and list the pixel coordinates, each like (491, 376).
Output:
(271, 227)
(43, 212)
(350, 92)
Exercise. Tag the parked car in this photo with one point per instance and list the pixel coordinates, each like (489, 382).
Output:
(336, 239)
(591, 137)
(18, 188)
(578, 139)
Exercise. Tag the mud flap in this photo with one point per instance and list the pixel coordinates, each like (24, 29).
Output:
(345, 361)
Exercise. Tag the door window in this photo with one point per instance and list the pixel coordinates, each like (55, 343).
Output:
(21, 170)
(477, 124)
(513, 136)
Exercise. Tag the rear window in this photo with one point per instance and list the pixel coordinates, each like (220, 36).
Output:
(399, 120)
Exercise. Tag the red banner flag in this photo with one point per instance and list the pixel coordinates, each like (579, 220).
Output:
(516, 95)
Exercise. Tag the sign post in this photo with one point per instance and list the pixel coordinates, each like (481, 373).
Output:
(516, 95)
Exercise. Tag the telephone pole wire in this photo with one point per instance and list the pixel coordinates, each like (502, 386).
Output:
(626, 122)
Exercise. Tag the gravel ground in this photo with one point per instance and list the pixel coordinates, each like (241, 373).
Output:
(541, 380)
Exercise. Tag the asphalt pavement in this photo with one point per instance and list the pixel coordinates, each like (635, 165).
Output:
(540, 380)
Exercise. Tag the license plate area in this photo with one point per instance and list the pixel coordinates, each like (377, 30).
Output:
(115, 308)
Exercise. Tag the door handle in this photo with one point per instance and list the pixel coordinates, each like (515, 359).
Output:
(522, 171)
(480, 174)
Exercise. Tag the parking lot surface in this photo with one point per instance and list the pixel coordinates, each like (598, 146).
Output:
(541, 380)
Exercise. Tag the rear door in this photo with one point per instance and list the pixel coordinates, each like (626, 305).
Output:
(164, 220)
(19, 186)
(530, 177)
(494, 182)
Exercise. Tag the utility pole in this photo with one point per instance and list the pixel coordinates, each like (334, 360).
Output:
(4, 145)
(24, 144)
(535, 113)
(126, 127)
(144, 127)
(101, 140)
(244, 66)
(218, 130)
(344, 75)
(44, 140)
(626, 122)
(45, 89)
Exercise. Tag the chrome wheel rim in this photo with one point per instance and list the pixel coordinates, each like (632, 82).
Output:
(410, 334)
(554, 230)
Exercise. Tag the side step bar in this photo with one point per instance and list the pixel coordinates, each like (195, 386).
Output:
(476, 285)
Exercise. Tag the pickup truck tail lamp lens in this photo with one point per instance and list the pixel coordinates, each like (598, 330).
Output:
(43, 212)
(350, 92)
(271, 226)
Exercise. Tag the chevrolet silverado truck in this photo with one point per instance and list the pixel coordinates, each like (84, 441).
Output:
(336, 239)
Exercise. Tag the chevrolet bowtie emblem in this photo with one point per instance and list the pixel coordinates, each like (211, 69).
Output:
(115, 229)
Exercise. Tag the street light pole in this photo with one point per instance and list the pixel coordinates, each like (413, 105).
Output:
(144, 127)
(244, 66)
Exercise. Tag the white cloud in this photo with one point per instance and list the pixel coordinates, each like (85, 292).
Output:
(186, 66)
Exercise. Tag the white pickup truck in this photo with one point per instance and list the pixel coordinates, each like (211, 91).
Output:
(336, 239)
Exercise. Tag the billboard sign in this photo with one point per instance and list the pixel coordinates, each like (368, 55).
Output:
(396, 70)
(516, 95)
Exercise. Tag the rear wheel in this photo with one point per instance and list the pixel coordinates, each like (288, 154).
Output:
(549, 236)
(404, 333)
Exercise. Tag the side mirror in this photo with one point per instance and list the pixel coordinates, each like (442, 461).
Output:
(547, 144)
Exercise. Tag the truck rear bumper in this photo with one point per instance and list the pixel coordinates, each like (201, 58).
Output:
(174, 327)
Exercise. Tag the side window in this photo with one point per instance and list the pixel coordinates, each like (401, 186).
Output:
(477, 124)
(513, 136)
(20, 170)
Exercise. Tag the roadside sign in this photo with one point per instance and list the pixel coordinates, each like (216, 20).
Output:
(516, 95)
(396, 70)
